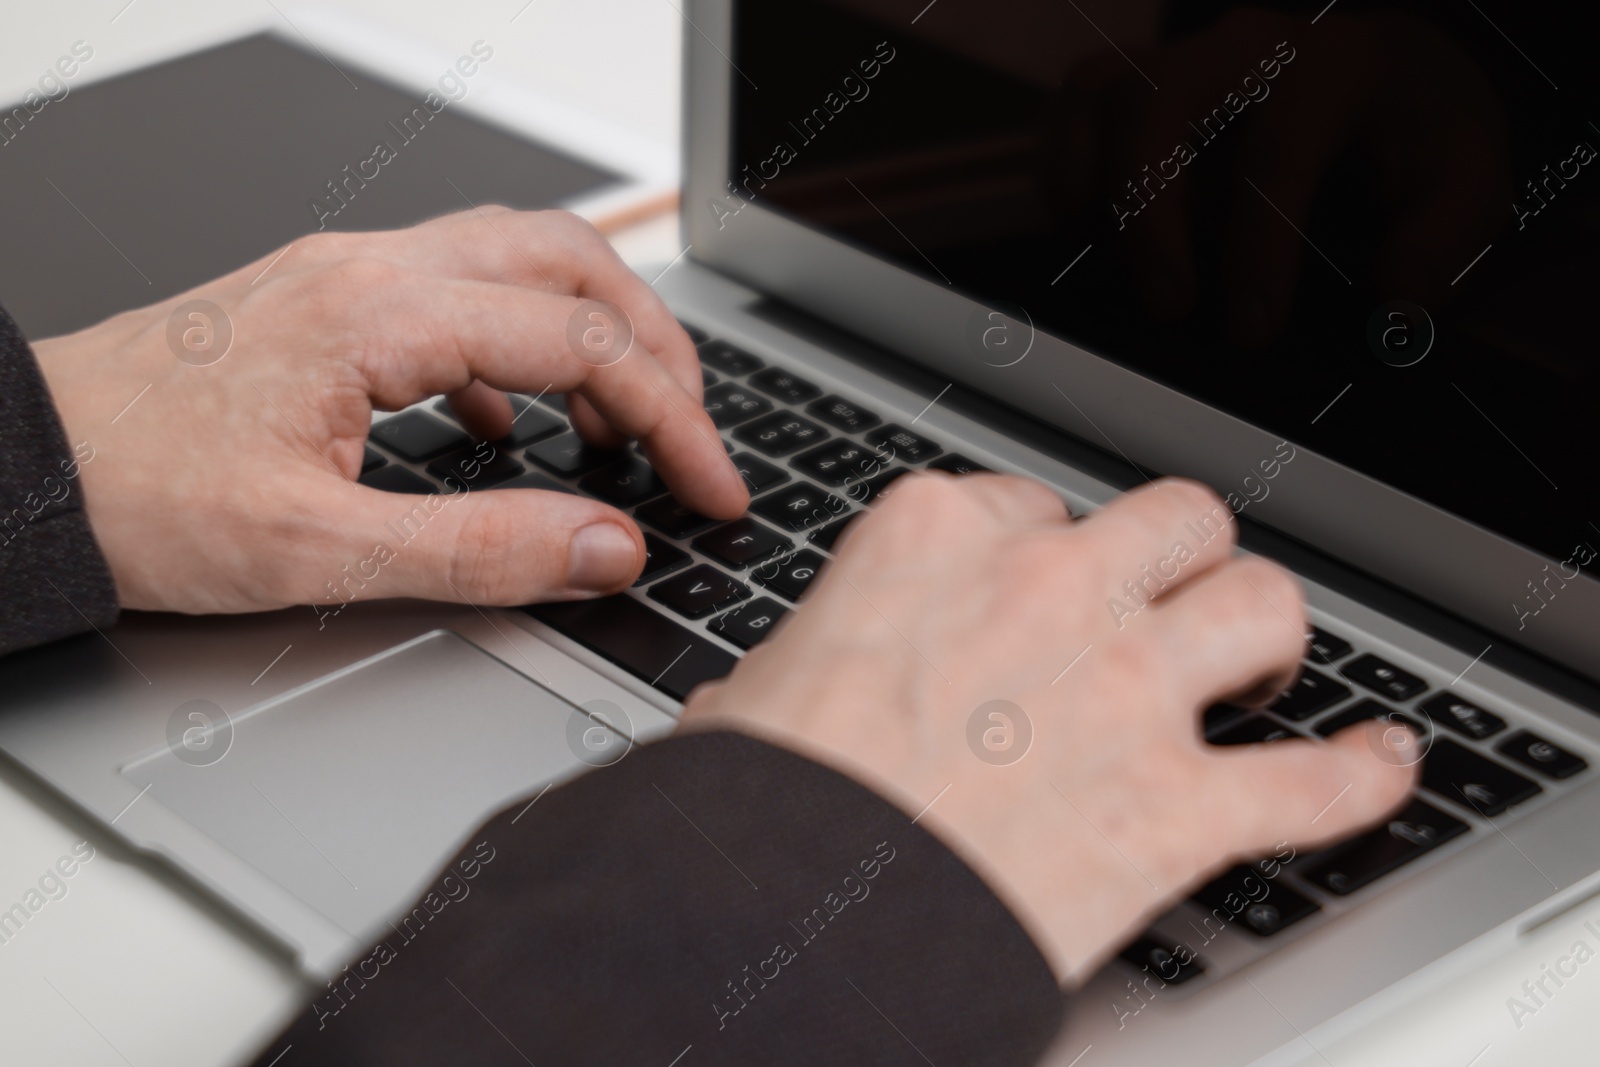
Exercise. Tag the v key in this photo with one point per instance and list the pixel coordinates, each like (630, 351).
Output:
(699, 591)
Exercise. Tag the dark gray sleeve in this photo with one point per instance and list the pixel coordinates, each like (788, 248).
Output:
(710, 899)
(53, 579)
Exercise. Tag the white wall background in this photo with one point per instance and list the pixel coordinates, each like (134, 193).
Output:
(617, 58)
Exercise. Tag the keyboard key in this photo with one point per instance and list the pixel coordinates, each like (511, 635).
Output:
(1363, 860)
(660, 559)
(478, 467)
(956, 463)
(837, 462)
(907, 446)
(1173, 966)
(729, 404)
(532, 424)
(395, 479)
(699, 591)
(741, 543)
(1462, 717)
(371, 459)
(827, 536)
(758, 474)
(748, 624)
(1533, 751)
(789, 575)
(623, 483)
(1256, 730)
(708, 379)
(875, 490)
(1383, 677)
(673, 518)
(780, 433)
(841, 414)
(1325, 647)
(419, 437)
(568, 455)
(535, 480)
(643, 642)
(728, 359)
(1263, 906)
(1311, 693)
(1362, 710)
(696, 334)
(1456, 772)
(790, 388)
(801, 506)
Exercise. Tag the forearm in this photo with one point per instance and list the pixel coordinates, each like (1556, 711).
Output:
(53, 578)
(712, 891)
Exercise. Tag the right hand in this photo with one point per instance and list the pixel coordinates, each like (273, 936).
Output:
(957, 592)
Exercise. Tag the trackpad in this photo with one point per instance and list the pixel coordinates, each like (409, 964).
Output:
(353, 793)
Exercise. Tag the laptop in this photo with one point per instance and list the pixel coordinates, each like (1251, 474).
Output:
(969, 240)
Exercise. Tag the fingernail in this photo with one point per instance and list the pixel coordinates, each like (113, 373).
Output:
(603, 556)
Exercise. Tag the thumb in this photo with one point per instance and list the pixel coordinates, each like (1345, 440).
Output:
(487, 546)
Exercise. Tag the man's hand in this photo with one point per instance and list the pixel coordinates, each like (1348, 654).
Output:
(231, 487)
(958, 592)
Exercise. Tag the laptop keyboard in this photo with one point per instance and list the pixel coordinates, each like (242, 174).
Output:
(814, 461)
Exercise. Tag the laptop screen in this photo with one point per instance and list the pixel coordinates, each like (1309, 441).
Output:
(1367, 228)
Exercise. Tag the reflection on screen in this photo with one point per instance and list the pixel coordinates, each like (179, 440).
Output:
(1369, 228)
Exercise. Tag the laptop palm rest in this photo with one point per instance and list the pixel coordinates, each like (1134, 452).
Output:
(352, 793)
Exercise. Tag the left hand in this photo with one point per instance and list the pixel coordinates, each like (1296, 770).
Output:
(231, 487)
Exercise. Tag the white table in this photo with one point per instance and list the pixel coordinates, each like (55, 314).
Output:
(134, 967)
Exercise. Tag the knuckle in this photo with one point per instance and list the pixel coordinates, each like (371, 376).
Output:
(1015, 485)
(569, 226)
(359, 274)
(470, 217)
(1167, 509)
(1281, 588)
(1273, 596)
(924, 496)
(330, 244)
(1198, 497)
(335, 293)
(485, 542)
(920, 506)
(1057, 505)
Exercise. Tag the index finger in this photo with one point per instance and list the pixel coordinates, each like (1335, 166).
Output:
(421, 335)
